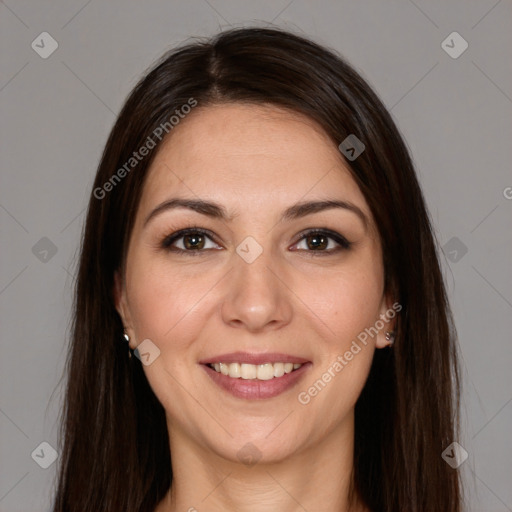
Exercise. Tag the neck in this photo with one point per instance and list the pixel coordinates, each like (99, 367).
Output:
(318, 478)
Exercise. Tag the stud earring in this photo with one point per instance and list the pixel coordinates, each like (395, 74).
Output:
(127, 338)
(390, 336)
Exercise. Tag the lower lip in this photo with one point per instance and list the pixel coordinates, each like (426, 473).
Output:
(253, 389)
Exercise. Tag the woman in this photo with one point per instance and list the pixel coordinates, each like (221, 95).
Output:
(257, 235)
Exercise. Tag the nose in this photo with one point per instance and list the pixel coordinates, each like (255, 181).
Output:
(258, 298)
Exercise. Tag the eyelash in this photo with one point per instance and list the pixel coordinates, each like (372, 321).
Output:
(343, 243)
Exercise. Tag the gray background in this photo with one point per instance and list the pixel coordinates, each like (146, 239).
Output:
(455, 114)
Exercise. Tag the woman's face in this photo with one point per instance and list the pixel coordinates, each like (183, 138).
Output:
(249, 288)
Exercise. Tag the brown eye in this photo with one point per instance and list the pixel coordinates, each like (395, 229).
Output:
(192, 241)
(315, 242)
(322, 242)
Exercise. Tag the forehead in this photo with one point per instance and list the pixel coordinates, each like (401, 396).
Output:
(249, 155)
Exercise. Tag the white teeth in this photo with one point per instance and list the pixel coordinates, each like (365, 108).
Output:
(235, 371)
(265, 371)
(246, 371)
(278, 369)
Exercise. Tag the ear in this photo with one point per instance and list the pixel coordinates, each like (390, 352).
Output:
(388, 312)
(122, 307)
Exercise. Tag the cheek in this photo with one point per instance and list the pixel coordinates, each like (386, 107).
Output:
(347, 302)
(163, 302)
(342, 307)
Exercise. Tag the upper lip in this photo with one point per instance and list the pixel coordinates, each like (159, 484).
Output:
(254, 358)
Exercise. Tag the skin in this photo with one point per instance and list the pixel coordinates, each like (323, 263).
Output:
(256, 161)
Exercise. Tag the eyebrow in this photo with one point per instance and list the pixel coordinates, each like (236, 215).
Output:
(217, 211)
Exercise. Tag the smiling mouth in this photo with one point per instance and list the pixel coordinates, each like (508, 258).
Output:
(266, 371)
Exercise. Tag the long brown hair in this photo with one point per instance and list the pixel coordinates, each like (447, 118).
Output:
(115, 452)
